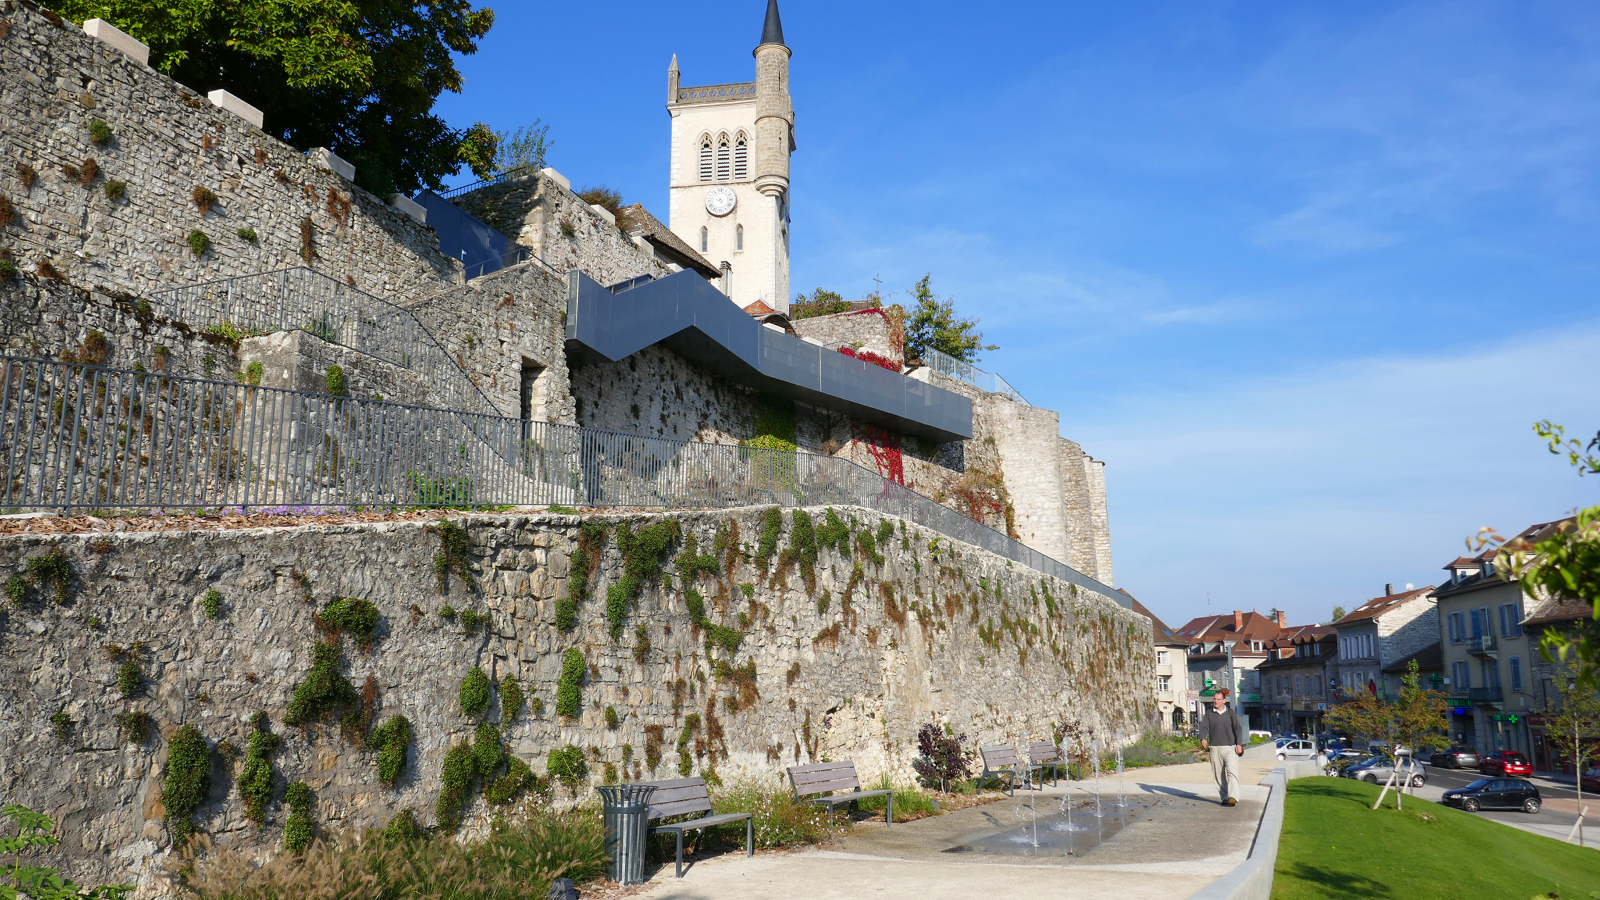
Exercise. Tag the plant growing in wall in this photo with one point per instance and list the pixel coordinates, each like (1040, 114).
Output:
(8, 212)
(612, 721)
(203, 198)
(248, 235)
(567, 765)
(37, 831)
(569, 689)
(333, 381)
(198, 242)
(116, 190)
(99, 132)
(511, 699)
(134, 726)
(488, 749)
(53, 569)
(308, 250)
(8, 267)
(212, 603)
(27, 174)
(324, 690)
(508, 787)
(129, 679)
(455, 786)
(643, 553)
(62, 726)
(391, 740)
(771, 530)
(455, 555)
(186, 782)
(255, 782)
(299, 830)
(585, 562)
(475, 692)
(353, 616)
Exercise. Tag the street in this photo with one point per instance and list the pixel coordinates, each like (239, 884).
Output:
(1554, 820)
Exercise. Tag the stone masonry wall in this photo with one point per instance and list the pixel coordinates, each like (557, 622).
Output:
(539, 213)
(841, 663)
(1404, 631)
(864, 329)
(167, 141)
(298, 361)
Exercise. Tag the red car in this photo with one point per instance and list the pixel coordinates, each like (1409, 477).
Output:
(1505, 762)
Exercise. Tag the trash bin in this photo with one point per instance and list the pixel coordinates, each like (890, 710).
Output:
(626, 809)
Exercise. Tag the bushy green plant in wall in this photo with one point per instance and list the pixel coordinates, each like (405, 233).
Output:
(834, 533)
(353, 616)
(99, 132)
(488, 748)
(475, 692)
(198, 242)
(511, 699)
(569, 689)
(129, 679)
(455, 555)
(17, 590)
(517, 778)
(62, 726)
(455, 786)
(567, 765)
(691, 563)
(324, 690)
(333, 380)
(53, 569)
(771, 530)
(299, 830)
(255, 782)
(584, 563)
(611, 718)
(472, 620)
(116, 190)
(212, 603)
(186, 782)
(644, 552)
(135, 726)
(391, 740)
(248, 235)
(403, 826)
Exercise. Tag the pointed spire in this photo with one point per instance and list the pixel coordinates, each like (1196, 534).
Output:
(772, 30)
(674, 66)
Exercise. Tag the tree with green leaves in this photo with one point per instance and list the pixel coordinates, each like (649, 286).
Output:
(822, 302)
(524, 148)
(933, 324)
(358, 78)
(1338, 613)
(478, 150)
(1563, 565)
(1574, 728)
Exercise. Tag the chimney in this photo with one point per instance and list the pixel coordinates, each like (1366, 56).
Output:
(1388, 590)
(1238, 620)
(1282, 619)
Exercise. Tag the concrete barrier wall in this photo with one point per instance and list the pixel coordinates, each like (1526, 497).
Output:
(1252, 879)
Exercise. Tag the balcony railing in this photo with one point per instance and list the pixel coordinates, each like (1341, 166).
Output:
(1481, 644)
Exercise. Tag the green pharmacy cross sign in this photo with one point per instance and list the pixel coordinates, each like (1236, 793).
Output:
(1506, 717)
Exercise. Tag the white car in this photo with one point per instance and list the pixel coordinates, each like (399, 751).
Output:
(1297, 749)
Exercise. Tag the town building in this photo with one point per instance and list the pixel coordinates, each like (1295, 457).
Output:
(1381, 631)
(1226, 649)
(1297, 680)
(1487, 655)
(1430, 671)
(1172, 670)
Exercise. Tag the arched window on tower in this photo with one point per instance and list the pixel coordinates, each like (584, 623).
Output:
(705, 158)
(740, 157)
(738, 237)
(722, 158)
(705, 239)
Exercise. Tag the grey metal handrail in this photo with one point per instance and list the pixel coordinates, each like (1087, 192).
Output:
(84, 437)
(945, 364)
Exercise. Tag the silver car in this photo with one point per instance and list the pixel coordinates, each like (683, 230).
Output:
(1297, 749)
(1378, 769)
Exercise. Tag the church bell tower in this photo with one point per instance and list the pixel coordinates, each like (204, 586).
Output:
(730, 171)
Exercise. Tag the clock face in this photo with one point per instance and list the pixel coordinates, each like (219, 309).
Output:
(720, 201)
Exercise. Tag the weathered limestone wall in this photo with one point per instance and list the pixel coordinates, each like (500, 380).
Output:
(298, 361)
(167, 140)
(537, 212)
(845, 667)
(496, 325)
(1029, 443)
(47, 318)
(866, 329)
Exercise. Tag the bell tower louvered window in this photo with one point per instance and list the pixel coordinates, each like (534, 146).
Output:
(705, 240)
(705, 158)
(722, 159)
(740, 157)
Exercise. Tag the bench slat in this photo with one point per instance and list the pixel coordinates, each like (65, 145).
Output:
(682, 807)
(707, 822)
(999, 756)
(845, 798)
(821, 767)
(840, 784)
(678, 796)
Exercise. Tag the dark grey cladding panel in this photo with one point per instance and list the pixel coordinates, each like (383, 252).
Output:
(686, 314)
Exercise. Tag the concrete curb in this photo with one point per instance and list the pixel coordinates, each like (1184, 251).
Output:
(1252, 879)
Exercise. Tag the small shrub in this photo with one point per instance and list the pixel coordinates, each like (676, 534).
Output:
(61, 726)
(333, 380)
(254, 372)
(8, 268)
(569, 689)
(778, 820)
(17, 590)
(256, 782)
(567, 765)
(771, 530)
(204, 199)
(942, 758)
(212, 602)
(323, 691)
(116, 190)
(508, 787)
(611, 718)
(354, 616)
(135, 727)
(455, 786)
(308, 250)
(488, 749)
(511, 699)
(391, 739)
(584, 563)
(88, 172)
(53, 569)
(27, 174)
(641, 644)
(248, 234)
(129, 679)
(199, 243)
(455, 555)
(299, 830)
(475, 692)
(186, 782)
(99, 132)
(47, 269)
(472, 620)
(8, 211)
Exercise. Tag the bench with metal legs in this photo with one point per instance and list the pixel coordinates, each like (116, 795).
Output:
(686, 796)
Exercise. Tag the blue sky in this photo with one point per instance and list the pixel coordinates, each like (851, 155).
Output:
(1303, 275)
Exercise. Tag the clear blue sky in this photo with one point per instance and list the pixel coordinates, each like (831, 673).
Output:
(1303, 275)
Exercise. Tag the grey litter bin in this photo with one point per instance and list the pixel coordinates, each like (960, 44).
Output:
(626, 809)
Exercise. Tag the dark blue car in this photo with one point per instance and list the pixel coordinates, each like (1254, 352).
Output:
(1496, 793)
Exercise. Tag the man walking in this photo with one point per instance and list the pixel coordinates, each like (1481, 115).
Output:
(1223, 735)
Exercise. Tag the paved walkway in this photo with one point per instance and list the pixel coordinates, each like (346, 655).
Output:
(1182, 842)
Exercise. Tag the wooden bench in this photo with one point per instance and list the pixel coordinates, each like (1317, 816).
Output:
(1042, 754)
(686, 796)
(1000, 759)
(824, 778)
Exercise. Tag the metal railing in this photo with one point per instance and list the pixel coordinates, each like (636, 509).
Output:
(1482, 644)
(493, 179)
(75, 437)
(945, 364)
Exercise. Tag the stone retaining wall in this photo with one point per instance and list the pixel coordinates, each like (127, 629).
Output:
(840, 663)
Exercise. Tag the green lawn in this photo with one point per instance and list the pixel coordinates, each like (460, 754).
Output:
(1335, 845)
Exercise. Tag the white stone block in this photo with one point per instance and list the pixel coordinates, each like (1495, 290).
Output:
(111, 35)
(557, 177)
(604, 213)
(229, 102)
(323, 158)
(410, 207)
(812, 340)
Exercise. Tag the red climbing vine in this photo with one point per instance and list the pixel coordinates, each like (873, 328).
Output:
(885, 450)
(867, 356)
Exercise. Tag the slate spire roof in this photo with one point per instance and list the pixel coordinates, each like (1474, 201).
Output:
(772, 29)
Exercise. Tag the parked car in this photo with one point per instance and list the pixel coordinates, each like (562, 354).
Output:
(1591, 780)
(1377, 769)
(1458, 757)
(1505, 762)
(1297, 750)
(1496, 793)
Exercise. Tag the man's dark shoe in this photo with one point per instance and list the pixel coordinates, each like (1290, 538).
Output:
(1231, 802)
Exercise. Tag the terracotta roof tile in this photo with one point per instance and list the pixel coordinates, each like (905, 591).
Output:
(1377, 606)
(636, 219)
